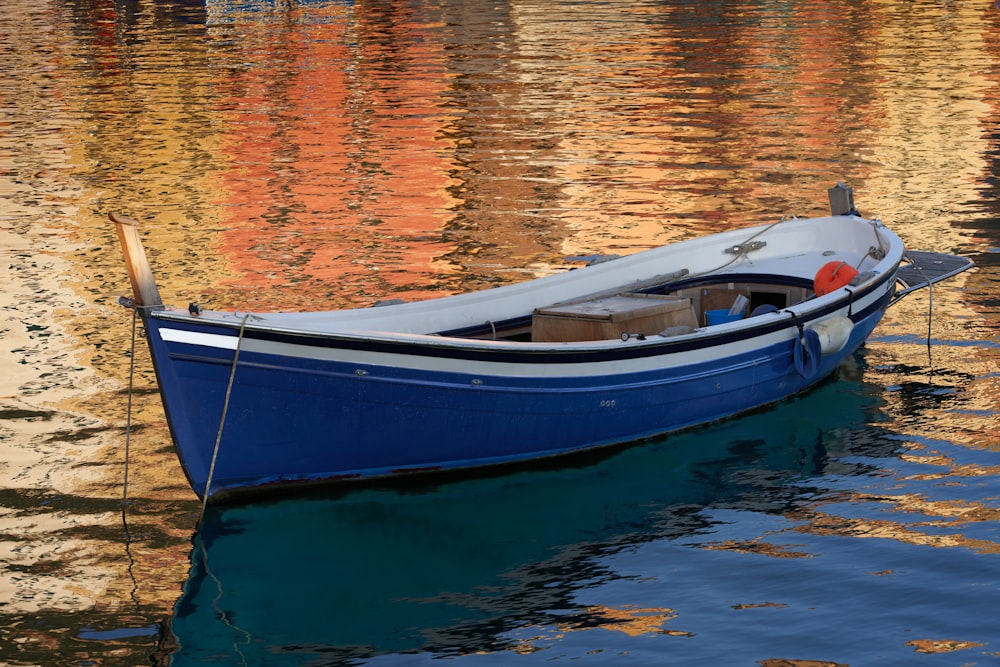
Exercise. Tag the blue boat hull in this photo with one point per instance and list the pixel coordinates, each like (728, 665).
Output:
(305, 410)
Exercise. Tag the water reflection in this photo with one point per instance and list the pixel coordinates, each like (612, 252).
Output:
(319, 154)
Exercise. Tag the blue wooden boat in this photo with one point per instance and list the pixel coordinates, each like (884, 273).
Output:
(602, 355)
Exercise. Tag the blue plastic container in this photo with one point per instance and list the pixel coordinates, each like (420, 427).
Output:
(721, 316)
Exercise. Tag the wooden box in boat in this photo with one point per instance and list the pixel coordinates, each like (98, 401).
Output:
(610, 317)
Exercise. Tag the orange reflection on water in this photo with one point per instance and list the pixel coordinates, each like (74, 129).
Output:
(331, 165)
(633, 621)
(757, 546)
(941, 645)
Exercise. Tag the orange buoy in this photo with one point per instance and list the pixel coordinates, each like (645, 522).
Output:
(832, 276)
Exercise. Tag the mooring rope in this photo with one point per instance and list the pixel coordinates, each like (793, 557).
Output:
(222, 418)
(742, 250)
(930, 305)
(221, 614)
(129, 303)
(128, 410)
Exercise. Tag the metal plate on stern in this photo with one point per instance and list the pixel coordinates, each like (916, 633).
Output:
(924, 268)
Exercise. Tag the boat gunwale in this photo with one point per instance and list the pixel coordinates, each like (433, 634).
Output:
(476, 349)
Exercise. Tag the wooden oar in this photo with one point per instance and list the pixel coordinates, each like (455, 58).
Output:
(139, 273)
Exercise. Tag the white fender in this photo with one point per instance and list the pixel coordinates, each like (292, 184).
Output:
(833, 333)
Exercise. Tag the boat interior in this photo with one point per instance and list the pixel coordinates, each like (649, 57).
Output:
(669, 309)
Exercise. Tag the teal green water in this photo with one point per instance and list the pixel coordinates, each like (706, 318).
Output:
(311, 155)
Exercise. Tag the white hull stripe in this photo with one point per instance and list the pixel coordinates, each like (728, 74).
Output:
(217, 341)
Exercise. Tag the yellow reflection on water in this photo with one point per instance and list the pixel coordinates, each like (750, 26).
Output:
(632, 621)
(928, 156)
(925, 532)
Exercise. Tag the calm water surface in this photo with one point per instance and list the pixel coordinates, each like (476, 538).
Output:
(310, 155)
